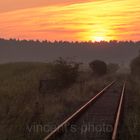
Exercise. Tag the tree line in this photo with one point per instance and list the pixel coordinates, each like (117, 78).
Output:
(46, 43)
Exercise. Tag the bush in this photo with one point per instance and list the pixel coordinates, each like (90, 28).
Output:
(135, 67)
(62, 74)
(99, 67)
(65, 72)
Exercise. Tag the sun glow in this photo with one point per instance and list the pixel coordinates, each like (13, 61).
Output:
(99, 38)
(96, 21)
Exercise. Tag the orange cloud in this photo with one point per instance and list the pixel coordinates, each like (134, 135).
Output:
(10, 5)
(107, 19)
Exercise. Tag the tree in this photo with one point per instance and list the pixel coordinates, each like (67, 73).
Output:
(135, 66)
(99, 67)
(65, 72)
(61, 74)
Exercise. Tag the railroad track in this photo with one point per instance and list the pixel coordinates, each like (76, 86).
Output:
(98, 119)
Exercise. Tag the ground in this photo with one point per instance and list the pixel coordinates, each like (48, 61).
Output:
(25, 113)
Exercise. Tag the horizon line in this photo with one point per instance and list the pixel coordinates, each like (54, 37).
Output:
(70, 41)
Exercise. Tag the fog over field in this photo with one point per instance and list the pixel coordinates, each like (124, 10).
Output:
(121, 55)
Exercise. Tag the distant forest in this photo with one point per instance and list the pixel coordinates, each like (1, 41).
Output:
(121, 52)
(45, 43)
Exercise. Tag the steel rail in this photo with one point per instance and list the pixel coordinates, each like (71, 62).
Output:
(77, 113)
(117, 120)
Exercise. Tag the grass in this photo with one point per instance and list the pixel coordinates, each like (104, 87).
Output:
(131, 122)
(18, 94)
(22, 107)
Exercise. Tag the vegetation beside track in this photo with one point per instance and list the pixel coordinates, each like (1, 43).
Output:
(131, 116)
(130, 124)
(22, 106)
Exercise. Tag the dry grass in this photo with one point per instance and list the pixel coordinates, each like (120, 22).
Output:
(22, 106)
(131, 121)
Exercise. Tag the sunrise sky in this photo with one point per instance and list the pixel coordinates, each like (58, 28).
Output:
(70, 19)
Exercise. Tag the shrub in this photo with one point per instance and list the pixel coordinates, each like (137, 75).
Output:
(61, 75)
(99, 67)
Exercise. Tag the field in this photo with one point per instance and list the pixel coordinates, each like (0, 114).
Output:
(131, 122)
(25, 112)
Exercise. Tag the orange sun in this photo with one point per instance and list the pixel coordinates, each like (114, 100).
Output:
(99, 38)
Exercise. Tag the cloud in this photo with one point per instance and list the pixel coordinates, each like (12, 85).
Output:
(11, 5)
(112, 19)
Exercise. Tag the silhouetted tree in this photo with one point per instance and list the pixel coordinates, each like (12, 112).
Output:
(98, 67)
(37, 43)
(62, 74)
(65, 72)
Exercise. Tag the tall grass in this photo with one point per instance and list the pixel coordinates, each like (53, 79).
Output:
(131, 125)
(22, 106)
